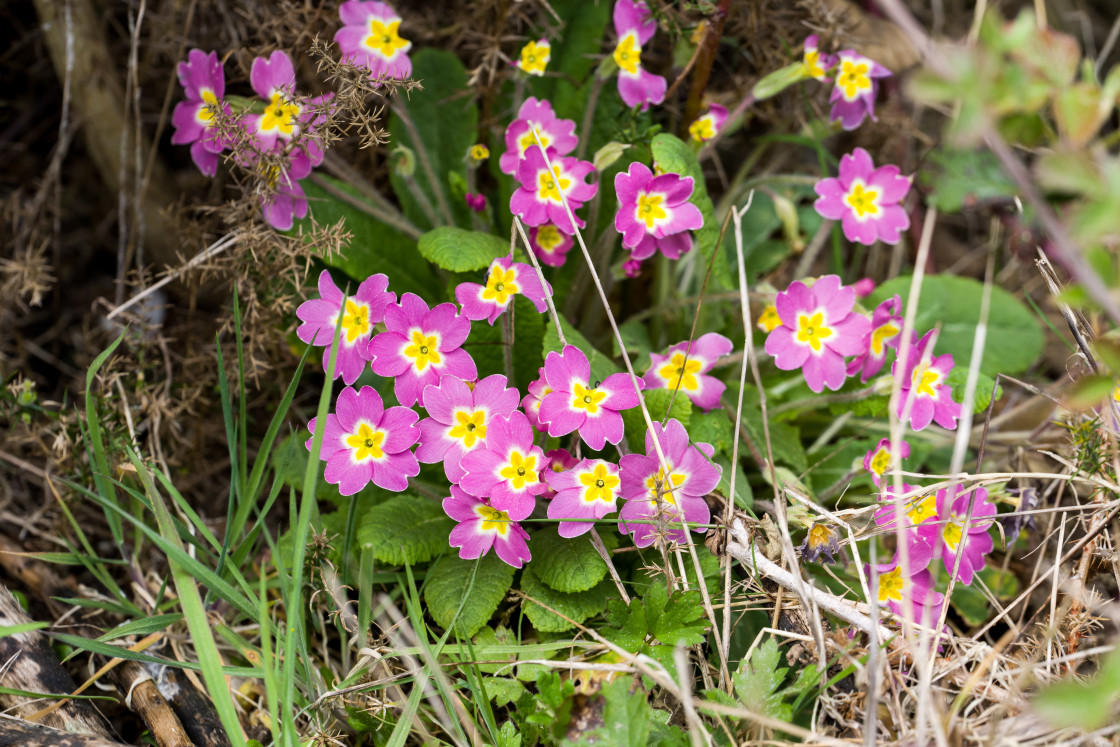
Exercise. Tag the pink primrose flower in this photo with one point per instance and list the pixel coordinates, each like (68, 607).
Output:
(550, 244)
(505, 279)
(656, 501)
(363, 443)
(557, 135)
(635, 26)
(865, 199)
(705, 127)
(482, 527)
(818, 329)
(686, 365)
(507, 469)
(556, 461)
(893, 587)
(360, 312)
(285, 115)
(922, 379)
(574, 404)
(540, 198)
(857, 82)
(654, 212)
(879, 460)
(204, 81)
(458, 418)
(864, 287)
(418, 346)
(585, 493)
(531, 403)
(949, 537)
(370, 37)
(886, 331)
(816, 65)
(918, 508)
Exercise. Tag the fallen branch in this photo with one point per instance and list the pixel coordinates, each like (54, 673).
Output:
(26, 734)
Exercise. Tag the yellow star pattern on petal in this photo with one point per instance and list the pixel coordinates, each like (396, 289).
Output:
(501, 286)
(535, 57)
(890, 586)
(384, 39)
(680, 372)
(862, 200)
(587, 399)
(812, 329)
(493, 520)
(853, 78)
(883, 333)
(702, 129)
(599, 484)
(469, 427)
(366, 443)
(628, 54)
(925, 381)
(355, 321)
(281, 115)
(649, 209)
(549, 237)
(423, 350)
(657, 484)
(520, 471)
(548, 182)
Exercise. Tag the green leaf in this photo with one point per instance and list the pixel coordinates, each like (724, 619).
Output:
(1014, 338)
(569, 565)
(601, 365)
(971, 602)
(486, 344)
(674, 155)
(785, 440)
(578, 606)
(503, 690)
(630, 721)
(458, 250)
(676, 619)
(507, 735)
(627, 626)
(405, 529)
(958, 179)
(446, 121)
(958, 378)
(658, 403)
(713, 428)
(1082, 705)
(454, 582)
(374, 246)
(758, 680)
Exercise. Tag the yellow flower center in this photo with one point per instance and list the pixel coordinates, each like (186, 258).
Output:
(679, 373)
(702, 129)
(423, 350)
(952, 534)
(366, 443)
(923, 510)
(880, 461)
(853, 78)
(600, 484)
(493, 520)
(549, 237)
(811, 329)
(548, 182)
(628, 54)
(890, 586)
(587, 399)
(819, 536)
(528, 140)
(384, 39)
(355, 320)
(769, 319)
(658, 487)
(281, 115)
(470, 428)
(862, 200)
(880, 336)
(925, 381)
(520, 470)
(501, 286)
(205, 113)
(650, 210)
(535, 57)
(479, 152)
(812, 64)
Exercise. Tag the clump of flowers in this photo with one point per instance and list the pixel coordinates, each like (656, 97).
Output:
(370, 36)
(635, 26)
(865, 199)
(536, 116)
(957, 537)
(654, 212)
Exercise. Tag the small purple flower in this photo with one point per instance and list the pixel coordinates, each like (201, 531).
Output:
(584, 494)
(359, 313)
(857, 82)
(635, 26)
(205, 84)
(864, 287)
(886, 331)
(655, 500)
(654, 212)
(475, 201)
(540, 198)
(370, 37)
(458, 418)
(418, 346)
(632, 267)
(557, 135)
(507, 469)
(923, 380)
(482, 527)
(550, 244)
(363, 443)
(818, 328)
(893, 587)
(879, 460)
(865, 199)
(685, 367)
(531, 404)
(821, 539)
(505, 279)
(575, 405)
(949, 536)
(705, 127)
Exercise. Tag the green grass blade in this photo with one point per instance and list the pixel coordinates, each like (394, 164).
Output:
(97, 456)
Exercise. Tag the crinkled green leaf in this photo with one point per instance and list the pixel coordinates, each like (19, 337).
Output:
(627, 625)
(569, 565)
(503, 690)
(630, 721)
(450, 585)
(958, 179)
(658, 403)
(676, 619)
(405, 529)
(957, 379)
(713, 428)
(507, 736)
(458, 250)
(578, 606)
(758, 681)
